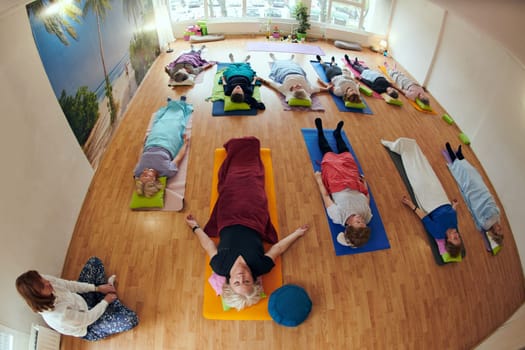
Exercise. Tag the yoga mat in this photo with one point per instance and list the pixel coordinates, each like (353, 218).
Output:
(268, 46)
(398, 162)
(337, 99)
(378, 238)
(212, 304)
(357, 74)
(217, 97)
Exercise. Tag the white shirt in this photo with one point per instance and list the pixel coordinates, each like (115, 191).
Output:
(292, 80)
(71, 315)
(349, 202)
(343, 82)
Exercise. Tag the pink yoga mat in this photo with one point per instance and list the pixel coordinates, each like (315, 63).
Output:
(306, 49)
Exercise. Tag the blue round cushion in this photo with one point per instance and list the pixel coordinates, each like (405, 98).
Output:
(289, 305)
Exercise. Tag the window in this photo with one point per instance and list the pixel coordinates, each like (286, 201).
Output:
(369, 15)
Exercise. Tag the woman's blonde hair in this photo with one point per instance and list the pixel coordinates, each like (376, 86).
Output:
(301, 94)
(240, 301)
(148, 189)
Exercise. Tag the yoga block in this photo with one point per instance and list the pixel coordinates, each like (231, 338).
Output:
(448, 119)
(365, 90)
(464, 138)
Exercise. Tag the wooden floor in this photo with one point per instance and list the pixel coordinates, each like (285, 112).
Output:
(394, 298)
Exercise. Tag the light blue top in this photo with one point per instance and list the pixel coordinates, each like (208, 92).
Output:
(480, 202)
(165, 138)
(371, 75)
(283, 68)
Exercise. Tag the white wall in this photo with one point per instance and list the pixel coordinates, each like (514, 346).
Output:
(480, 82)
(414, 35)
(44, 175)
(483, 88)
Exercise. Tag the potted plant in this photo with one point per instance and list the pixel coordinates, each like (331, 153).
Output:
(302, 17)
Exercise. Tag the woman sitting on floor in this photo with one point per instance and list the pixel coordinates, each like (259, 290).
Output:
(241, 218)
(87, 308)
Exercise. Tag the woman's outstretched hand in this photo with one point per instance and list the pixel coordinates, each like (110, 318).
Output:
(302, 229)
(406, 201)
(191, 221)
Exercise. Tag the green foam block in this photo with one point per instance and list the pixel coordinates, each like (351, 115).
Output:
(448, 119)
(365, 90)
(464, 138)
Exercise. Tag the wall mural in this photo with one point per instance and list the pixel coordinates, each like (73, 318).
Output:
(95, 54)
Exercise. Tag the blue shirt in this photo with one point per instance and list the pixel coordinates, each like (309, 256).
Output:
(440, 220)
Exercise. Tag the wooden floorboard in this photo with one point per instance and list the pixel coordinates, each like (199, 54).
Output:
(390, 299)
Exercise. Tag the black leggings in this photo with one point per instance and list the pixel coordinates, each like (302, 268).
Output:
(325, 147)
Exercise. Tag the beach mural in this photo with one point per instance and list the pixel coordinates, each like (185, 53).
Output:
(95, 54)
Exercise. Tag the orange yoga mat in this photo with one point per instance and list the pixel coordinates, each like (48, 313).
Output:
(212, 305)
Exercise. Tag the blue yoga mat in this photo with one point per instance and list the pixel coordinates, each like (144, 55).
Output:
(218, 106)
(378, 238)
(338, 100)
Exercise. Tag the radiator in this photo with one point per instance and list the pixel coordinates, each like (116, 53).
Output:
(43, 338)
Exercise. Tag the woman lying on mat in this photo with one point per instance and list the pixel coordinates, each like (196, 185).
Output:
(482, 205)
(88, 308)
(407, 86)
(343, 189)
(164, 148)
(441, 223)
(342, 81)
(238, 81)
(435, 210)
(241, 219)
(374, 79)
(290, 80)
(187, 64)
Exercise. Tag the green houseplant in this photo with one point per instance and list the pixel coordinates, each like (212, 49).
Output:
(302, 17)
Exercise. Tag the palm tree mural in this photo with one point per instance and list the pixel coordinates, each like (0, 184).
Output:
(133, 9)
(99, 8)
(54, 16)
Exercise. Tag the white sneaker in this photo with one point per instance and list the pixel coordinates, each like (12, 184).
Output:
(111, 280)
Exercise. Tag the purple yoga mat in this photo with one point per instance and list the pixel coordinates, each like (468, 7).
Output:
(306, 49)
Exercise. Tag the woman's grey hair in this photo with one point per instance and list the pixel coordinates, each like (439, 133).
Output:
(240, 301)
(148, 189)
(301, 94)
(180, 75)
